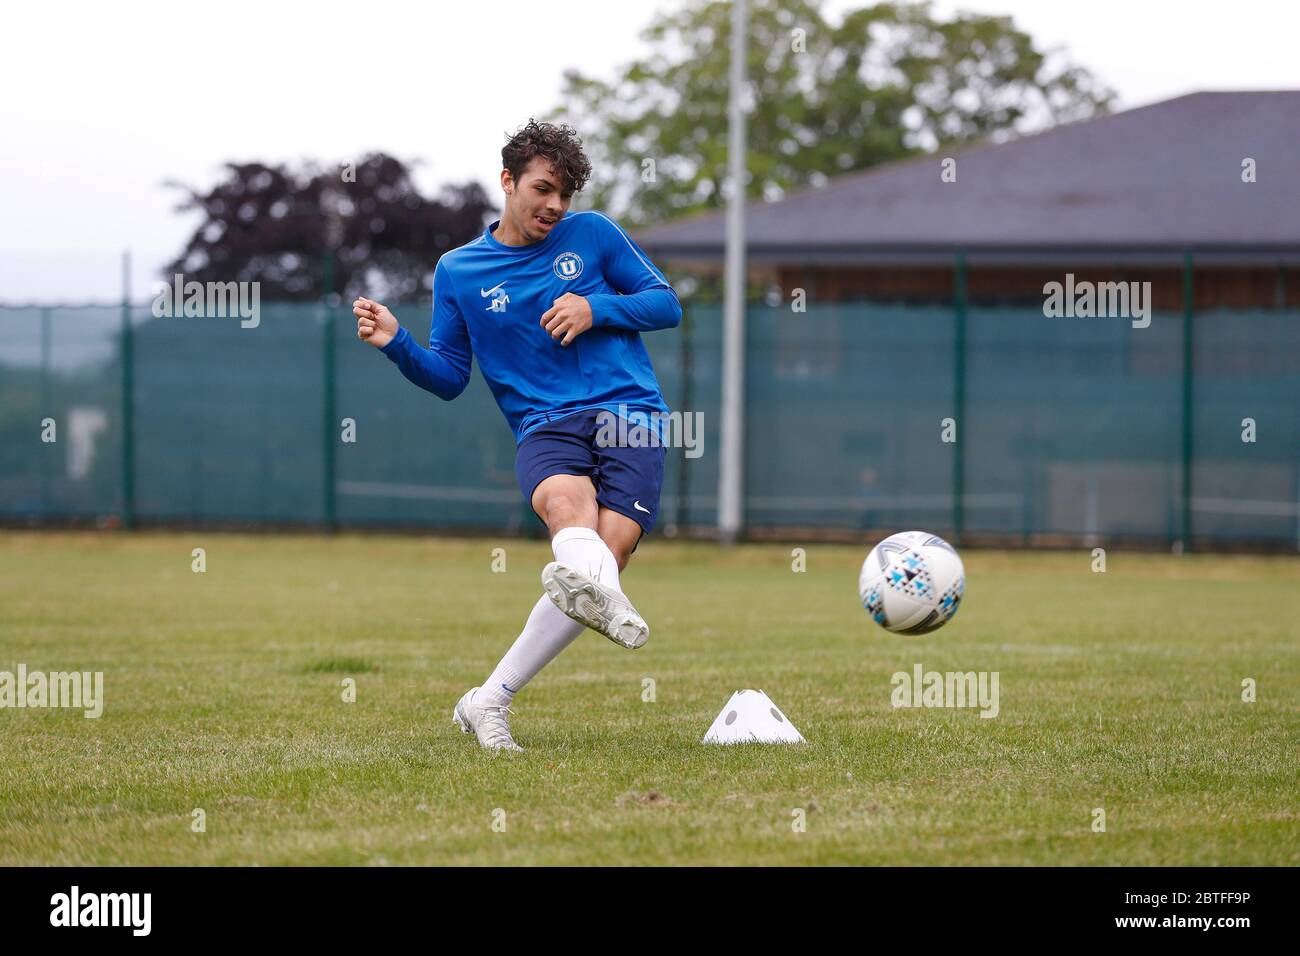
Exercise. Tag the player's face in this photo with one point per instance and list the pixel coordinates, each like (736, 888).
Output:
(536, 202)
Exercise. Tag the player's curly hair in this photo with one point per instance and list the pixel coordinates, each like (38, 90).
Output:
(559, 145)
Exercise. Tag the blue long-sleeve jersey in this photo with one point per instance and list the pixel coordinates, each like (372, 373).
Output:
(488, 300)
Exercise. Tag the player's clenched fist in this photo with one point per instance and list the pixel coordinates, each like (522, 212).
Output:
(375, 324)
(568, 318)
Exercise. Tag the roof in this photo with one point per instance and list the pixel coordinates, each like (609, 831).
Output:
(1159, 178)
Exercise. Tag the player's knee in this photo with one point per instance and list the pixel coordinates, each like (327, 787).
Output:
(564, 510)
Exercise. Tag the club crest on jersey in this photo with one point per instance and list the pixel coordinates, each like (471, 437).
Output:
(568, 265)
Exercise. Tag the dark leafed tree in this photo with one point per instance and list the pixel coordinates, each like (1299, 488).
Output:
(889, 81)
(278, 226)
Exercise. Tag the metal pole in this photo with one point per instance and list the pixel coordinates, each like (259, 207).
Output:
(47, 407)
(687, 367)
(1188, 358)
(128, 398)
(959, 398)
(731, 469)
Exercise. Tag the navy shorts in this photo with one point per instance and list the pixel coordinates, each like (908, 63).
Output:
(627, 474)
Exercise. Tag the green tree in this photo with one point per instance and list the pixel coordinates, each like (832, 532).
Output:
(889, 81)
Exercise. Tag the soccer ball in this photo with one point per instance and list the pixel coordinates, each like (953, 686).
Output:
(912, 582)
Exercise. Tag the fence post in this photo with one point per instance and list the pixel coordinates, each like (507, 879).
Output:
(128, 399)
(959, 398)
(46, 408)
(1185, 530)
(329, 434)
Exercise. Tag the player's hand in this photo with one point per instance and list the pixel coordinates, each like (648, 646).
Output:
(375, 324)
(568, 318)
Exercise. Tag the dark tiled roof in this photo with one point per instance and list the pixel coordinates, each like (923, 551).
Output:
(1161, 176)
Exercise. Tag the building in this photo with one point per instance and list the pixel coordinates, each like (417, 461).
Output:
(1119, 197)
(925, 282)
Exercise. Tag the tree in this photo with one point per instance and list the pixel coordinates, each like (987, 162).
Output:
(278, 226)
(888, 82)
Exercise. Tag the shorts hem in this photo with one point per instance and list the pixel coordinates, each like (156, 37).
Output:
(639, 518)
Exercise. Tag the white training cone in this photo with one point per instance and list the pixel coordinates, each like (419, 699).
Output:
(751, 717)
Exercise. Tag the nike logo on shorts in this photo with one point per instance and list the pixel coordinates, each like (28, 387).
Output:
(637, 505)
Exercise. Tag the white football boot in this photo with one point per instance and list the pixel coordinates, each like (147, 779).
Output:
(589, 602)
(490, 722)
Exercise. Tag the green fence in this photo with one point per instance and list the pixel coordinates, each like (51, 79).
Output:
(1074, 428)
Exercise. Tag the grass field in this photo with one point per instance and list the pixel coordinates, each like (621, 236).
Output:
(223, 692)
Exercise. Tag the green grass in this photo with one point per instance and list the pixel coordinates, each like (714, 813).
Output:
(224, 692)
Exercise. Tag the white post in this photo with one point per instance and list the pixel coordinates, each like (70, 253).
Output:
(731, 469)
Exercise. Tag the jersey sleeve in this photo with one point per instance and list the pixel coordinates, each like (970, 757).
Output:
(643, 300)
(443, 368)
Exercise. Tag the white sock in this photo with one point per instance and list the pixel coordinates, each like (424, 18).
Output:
(548, 631)
(582, 549)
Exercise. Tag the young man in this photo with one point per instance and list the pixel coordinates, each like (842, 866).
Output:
(551, 304)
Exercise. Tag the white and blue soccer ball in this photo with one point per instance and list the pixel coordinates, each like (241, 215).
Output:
(912, 582)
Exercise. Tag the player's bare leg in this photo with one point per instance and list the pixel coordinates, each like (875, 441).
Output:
(575, 521)
(566, 501)
(583, 579)
(620, 534)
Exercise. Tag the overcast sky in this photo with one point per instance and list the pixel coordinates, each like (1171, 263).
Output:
(103, 102)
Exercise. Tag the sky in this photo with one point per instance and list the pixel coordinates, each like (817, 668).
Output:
(102, 103)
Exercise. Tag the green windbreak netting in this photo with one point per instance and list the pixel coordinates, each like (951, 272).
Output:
(1247, 366)
(60, 412)
(1074, 424)
(845, 406)
(1055, 426)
